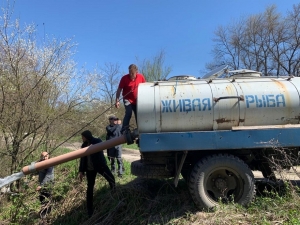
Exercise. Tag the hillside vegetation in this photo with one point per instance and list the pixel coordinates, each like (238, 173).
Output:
(139, 201)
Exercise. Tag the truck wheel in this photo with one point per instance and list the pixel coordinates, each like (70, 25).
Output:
(221, 177)
(151, 171)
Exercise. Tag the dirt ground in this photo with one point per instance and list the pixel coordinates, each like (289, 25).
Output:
(292, 174)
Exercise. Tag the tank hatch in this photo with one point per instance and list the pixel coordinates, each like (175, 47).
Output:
(182, 78)
(244, 73)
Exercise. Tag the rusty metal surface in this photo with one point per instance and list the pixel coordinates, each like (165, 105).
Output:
(217, 104)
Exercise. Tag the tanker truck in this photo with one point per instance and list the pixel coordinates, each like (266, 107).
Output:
(216, 130)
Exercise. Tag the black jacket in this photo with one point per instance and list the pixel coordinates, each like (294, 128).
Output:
(113, 132)
(97, 158)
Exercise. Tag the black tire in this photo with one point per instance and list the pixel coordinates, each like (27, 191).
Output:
(221, 177)
(152, 171)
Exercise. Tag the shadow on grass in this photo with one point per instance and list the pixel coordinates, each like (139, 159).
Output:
(141, 201)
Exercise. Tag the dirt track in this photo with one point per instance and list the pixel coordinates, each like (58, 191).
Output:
(130, 155)
(292, 174)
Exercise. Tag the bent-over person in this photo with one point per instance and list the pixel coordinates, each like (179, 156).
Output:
(92, 164)
(46, 181)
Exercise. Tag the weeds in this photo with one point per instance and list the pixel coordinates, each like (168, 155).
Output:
(145, 202)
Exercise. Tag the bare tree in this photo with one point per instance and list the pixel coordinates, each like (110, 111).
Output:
(289, 47)
(227, 49)
(39, 90)
(109, 77)
(265, 42)
(154, 69)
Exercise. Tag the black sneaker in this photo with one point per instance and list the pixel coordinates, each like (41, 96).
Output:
(125, 130)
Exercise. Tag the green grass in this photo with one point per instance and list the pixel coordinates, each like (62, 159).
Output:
(132, 146)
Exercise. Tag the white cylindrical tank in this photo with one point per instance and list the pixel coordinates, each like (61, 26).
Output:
(217, 104)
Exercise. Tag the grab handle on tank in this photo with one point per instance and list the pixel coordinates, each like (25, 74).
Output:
(240, 98)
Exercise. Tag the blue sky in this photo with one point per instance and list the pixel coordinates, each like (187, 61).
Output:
(119, 31)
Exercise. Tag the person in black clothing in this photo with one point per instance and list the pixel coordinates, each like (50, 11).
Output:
(113, 130)
(91, 165)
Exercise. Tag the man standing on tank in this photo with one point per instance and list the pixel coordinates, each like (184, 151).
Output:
(113, 130)
(129, 87)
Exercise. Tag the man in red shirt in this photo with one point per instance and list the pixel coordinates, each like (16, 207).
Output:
(129, 87)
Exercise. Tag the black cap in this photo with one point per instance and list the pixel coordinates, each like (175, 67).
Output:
(112, 118)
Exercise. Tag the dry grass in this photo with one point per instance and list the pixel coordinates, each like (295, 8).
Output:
(139, 201)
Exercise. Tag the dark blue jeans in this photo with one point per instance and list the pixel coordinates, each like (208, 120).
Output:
(128, 113)
(115, 154)
(91, 176)
(45, 199)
